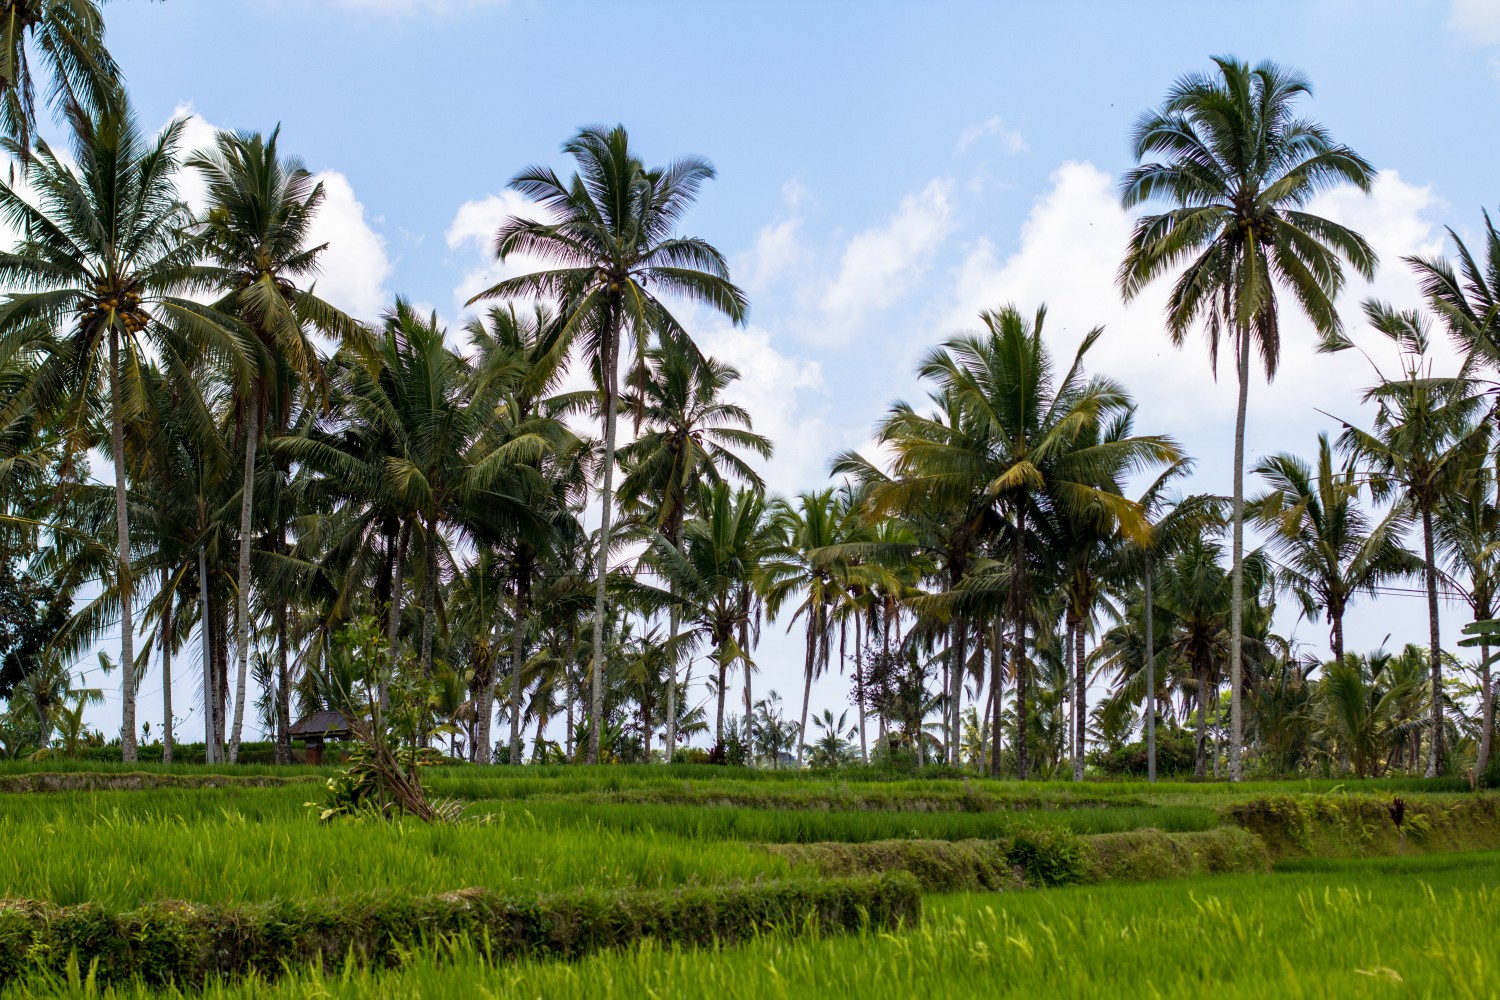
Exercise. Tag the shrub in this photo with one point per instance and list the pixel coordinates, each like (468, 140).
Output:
(184, 943)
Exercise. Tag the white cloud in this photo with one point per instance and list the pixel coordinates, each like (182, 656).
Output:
(1478, 21)
(355, 267)
(1010, 140)
(778, 250)
(880, 264)
(473, 231)
(1069, 250)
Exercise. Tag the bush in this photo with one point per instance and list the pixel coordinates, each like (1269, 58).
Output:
(1176, 754)
(184, 943)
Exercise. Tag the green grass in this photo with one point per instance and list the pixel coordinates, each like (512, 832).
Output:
(1385, 927)
(786, 826)
(123, 849)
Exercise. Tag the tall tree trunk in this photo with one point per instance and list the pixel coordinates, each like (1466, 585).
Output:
(429, 593)
(1336, 619)
(812, 655)
(123, 578)
(674, 622)
(518, 661)
(393, 614)
(1150, 677)
(997, 701)
(166, 672)
(1434, 639)
(484, 702)
(1200, 763)
(606, 502)
(570, 678)
(1487, 711)
(960, 667)
(859, 669)
(723, 682)
(745, 648)
(210, 695)
(221, 674)
(1080, 699)
(242, 598)
(1237, 564)
(283, 691)
(1018, 661)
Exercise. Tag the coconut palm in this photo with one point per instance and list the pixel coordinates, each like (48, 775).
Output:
(1426, 435)
(610, 230)
(254, 232)
(692, 437)
(67, 37)
(1238, 167)
(102, 259)
(1330, 548)
(1468, 298)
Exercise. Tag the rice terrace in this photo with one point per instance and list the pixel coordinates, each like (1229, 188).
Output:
(1021, 520)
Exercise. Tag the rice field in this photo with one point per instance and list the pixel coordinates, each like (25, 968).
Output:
(1394, 927)
(1319, 926)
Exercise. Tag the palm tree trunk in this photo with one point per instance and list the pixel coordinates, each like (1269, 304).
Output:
(1336, 616)
(393, 614)
(518, 663)
(1237, 565)
(674, 622)
(166, 673)
(745, 648)
(812, 648)
(1018, 660)
(1487, 710)
(960, 663)
(1200, 763)
(723, 680)
(210, 700)
(606, 502)
(242, 599)
(484, 714)
(429, 593)
(996, 694)
(1434, 638)
(1080, 700)
(1150, 678)
(859, 669)
(542, 718)
(124, 581)
(283, 692)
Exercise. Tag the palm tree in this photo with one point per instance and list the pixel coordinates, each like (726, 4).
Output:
(1468, 300)
(1468, 532)
(1426, 433)
(255, 232)
(102, 257)
(68, 36)
(1042, 450)
(611, 231)
(1329, 548)
(692, 438)
(1238, 167)
(1364, 708)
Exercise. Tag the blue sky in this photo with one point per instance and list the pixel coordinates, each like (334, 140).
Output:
(885, 171)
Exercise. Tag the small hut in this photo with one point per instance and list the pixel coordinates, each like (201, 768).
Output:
(314, 729)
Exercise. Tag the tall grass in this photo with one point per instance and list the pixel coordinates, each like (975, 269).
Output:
(1388, 927)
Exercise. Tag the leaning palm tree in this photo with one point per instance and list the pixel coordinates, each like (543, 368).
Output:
(1426, 435)
(610, 231)
(1238, 167)
(255, 232)
(102, 259)
(67, 36)
(1329, 546)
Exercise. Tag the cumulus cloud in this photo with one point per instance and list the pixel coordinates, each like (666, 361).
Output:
(472, 232)
(1070, 247)
(1010, 140)
(879, 265)
(355, 267)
